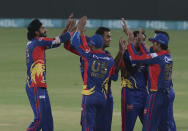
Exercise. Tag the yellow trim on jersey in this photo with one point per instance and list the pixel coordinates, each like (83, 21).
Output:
(153, 89)
(86, 91)
(106, 88)
(127, 83)
(134, 82)
(105, 83)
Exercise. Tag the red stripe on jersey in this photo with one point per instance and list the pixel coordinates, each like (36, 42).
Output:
(85, 45)
(142, 49)
(154, 72)
(163, 52)
(85, 70)
(137, 57)
(36, 123)
(112, 71)
(97, 51)
(45, 38)
(152, 105)
(69, 48)
(38, 107)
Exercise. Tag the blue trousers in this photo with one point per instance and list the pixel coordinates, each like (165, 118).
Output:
(168, 123)
(40, 104)
(108, 113)
(159, 112)
(93, 112)
(132, 106)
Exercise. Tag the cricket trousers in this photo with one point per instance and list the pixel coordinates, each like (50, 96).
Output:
(93, 112)
(158, 114)
(168, 123)
(108, 113)
(40, 104)
(132, 105)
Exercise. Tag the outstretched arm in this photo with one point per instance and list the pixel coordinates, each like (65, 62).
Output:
(119, 56)
(124, 26)
(76, 37)
(151, 58)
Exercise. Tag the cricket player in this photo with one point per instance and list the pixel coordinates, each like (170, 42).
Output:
(161, 94)
(106, 34)
(98, 69)
(36, 86)
(170, 120)
(134, 92)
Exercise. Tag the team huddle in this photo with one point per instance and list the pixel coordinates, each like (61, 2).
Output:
(146, 74)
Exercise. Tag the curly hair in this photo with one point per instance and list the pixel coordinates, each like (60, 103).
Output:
(32, 27)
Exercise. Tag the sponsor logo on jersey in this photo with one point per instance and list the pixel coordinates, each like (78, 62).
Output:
(167, 59)
(98, 57)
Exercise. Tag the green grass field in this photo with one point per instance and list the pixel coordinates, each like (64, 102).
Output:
(65, 84)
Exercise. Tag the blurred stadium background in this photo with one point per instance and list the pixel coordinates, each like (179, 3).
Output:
(63, 73)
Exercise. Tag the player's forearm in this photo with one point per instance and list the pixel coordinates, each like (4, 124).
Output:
(144, 58)
(70, 48)
(84, 41)
(118, 60)
(65, 37)
(76, 43)
(143, 48)
(54, 46)
(76, 40)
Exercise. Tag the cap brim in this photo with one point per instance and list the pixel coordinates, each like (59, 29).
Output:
(152, 39)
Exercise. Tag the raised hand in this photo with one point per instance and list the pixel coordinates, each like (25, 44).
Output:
(141, 37)
(130, 36)
(70, 19)
(72, 26)
(122, 45)
(124, 26)
(81, 24)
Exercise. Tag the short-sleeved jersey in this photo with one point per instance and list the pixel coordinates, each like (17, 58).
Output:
(159, 67)
(98, 67)
(36, 59)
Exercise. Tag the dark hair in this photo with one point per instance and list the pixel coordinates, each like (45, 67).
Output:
(162, 32)
(136, 32)
(163, 47)
(101, 30)
(32, 27)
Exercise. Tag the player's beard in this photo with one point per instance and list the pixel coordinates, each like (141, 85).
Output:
(105, 46)
(43, 34)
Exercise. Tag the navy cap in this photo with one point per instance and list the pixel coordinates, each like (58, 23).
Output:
(96, 40)
(160, 38)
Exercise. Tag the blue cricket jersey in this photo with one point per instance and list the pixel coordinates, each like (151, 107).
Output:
(159, 67)
(98, 68)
